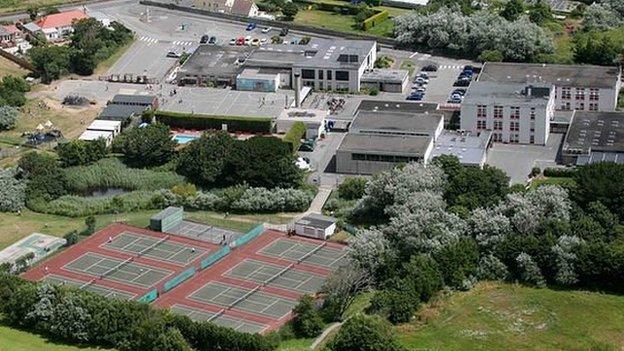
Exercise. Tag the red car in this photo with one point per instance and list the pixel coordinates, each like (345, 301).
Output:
(240, 41)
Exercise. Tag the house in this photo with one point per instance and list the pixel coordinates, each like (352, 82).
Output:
(578, 87)
(106, 126)
(594, 136)
(9, 33)
(59, 25)
(237, 7)
(515, 113)
(92, 135)
(31, 28)
(146, 101)
(315, 225)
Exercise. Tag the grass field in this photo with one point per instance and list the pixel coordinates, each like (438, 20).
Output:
(496, 316)
(9, 68)
(21, 5)
(15, 227)
(561, 181)
(17, 340)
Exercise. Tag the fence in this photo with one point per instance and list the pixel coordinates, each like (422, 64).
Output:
(179, 279)
(149, 297)
(212, 259)
(266, 22)
(250, 235)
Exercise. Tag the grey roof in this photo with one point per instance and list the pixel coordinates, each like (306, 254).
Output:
(32, 27)
(275, 56)
(398, 123)
(386, 144)
(316, 220)
(595, 131)
(385, 75)
(215, 60)
(559, 75)
(396, 106)
(337, 53)
(491, 93)
(167, 212)
(133, 99)
(120, 112)
(470, 148)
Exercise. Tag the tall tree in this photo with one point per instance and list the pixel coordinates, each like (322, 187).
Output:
(146, 146)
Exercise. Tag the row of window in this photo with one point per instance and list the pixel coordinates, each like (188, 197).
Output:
(498, 112)
(579, 93)
(498, 125)
(593, 106)
(313, 74)
(383, 158)
(513, 138)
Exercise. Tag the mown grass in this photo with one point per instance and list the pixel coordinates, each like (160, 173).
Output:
(498, 316)
(561, 181)
(21, 5)
(9, 68)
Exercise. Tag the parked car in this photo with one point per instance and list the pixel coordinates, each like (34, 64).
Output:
(240, 41)
(294, 41)
(456, 97)
(255, 42)
(251, 26)
(283, 32)
(454, 100)
(416, 96)
(423, 75)
(475, 69)
(174, 54)
(462, 83)
(233, 41)
(248, 40)
(421, 80)
(204, 39)
(419, 89)
(419, 85)
(212, 40)
(430, 68)
(266, 29)
(263, 41)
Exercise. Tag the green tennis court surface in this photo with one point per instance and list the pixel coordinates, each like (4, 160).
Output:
(222, 320)
(100, 290)
(154, 248)
(114, 269)
(297, 251)
(277, 276)
(243, 299)
(204, 232)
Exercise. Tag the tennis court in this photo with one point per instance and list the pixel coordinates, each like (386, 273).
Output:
(277, 276)
(98, 289)
(222, 320)
(298, 251)
(155, 248)
(243, 299)
(126, 272)
(204, 232)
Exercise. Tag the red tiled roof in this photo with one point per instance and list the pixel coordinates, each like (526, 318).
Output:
(62, 19)
(242, 7)
(11, 28)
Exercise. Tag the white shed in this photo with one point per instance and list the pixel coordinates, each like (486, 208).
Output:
(315, 225)
(106, 126)
(91, 135)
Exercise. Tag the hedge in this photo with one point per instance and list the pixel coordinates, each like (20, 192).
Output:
(375, 19)
(294, 135)
(199, 121)
(559, 172)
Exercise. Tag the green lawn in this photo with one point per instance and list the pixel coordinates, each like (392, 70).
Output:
(17, 340)
(21, 5)
(15, 227)
(561, 181)
(496, 316)
(9, 68)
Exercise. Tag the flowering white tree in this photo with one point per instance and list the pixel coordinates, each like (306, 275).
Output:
(367, 249)
(601, 17)
(529, 271)
(566, 259)
(12, 191)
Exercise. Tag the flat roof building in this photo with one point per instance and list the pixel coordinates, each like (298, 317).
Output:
(315, 225)
(91, 135)
(312, 118)
(122, 113)
(390, 80)
(594, 137)
(213, 65)
(470, 148)
(578, 87)
(148, 101)
(106, 126)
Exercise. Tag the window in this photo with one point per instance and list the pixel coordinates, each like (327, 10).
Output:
(481, 111)
(532, 139)
(532, 113)
(498, 111)
(580, 106)
(593, 106)
(566, 93)
(514, 138)
(320, 74)
(481, 125)
(594, 94)
(358, 157)
(498, 125)
(307, 73)
(515, 112)
(497, 137)
(342, 75)
(329, 75)
(565, 106)
(514, 126)
(580, 94)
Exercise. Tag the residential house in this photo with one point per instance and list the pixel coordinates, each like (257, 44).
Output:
(59, 25)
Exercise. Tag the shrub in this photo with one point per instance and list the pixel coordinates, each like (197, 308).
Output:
(146, 147)
(365, 333)
(8, 117)
(559, 172)
(307, 322)
(294, 135)
(12, 191)
(352, 188)
(80, 152)
(197, 121)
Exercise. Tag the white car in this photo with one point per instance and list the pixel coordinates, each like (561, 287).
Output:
(233, 41)
(266, 29)
(263, 41)
(302, 164)
(248, 40)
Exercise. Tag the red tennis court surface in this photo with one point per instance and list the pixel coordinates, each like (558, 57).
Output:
(252, 288)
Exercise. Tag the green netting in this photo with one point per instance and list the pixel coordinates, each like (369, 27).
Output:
(177, 280)
(210, 260)
(250, 235)
(149, 297)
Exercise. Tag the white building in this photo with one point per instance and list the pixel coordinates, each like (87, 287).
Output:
(92, 135)
(578, 87)
(315, 225)
(106, 126)
(515, 113)
(59, 25)
(313, 119)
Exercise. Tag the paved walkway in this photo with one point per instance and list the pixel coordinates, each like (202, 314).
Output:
(317, 342)
(319, 200)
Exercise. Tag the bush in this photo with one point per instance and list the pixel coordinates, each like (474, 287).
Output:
(535, 171)
(294, 135)
(365, 333)
(197, 121)
(146, 147)
(307, 322)
(12, 190)
(8, 117)
(559, 172)
(352, 188)
(80, 152)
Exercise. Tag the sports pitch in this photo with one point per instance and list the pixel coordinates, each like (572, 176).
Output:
(154, 248)
(234, 297)
(222, 320)
(277, 276)
(303, 252)
(126, 272)
(204, 232)
(98, 289)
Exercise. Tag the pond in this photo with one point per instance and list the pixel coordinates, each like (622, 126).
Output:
(106, 192)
